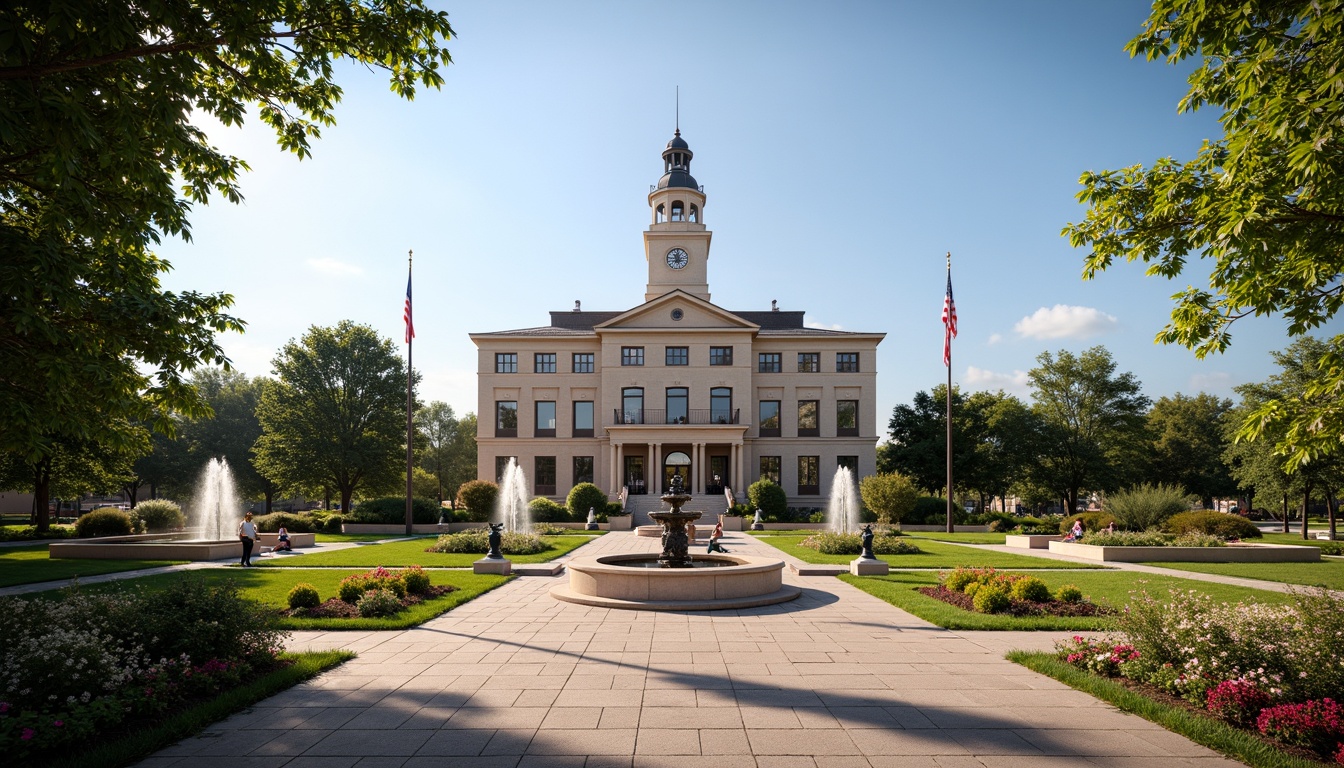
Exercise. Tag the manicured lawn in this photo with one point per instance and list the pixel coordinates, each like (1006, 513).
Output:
(961, 538)
(412, 552)
(1109, 588)
(1328, 573)
(30, 565)
(334, 538)
(271, 587)
(1296, 538)
(936, 554)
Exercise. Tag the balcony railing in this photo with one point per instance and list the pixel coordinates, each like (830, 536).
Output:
(693, 416)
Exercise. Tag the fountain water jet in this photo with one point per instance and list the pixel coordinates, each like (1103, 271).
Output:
(215, 510)
(842, 511)
(512, 506)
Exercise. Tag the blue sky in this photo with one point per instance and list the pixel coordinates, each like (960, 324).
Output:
(844, 149)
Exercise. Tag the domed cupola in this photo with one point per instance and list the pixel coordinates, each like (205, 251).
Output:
(677, 165)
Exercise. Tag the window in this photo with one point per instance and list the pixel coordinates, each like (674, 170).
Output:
(678, 400)
(770, 469)
(721, 405)
(543, 362)
(847, 418)
(807, 418)
(849, 462)
(544, 484)
(506, 418)
(545, 418)
(769, 425)
(678, 356)
(583, 469)
(846, 362)
(660, 214)
(583, 362)
(809, 362)
(501, 464)
(695, 213)
(768, 362)
(632, 405)
(583, 418)
(809, 475)
(720, 355)
(677, 209)
(632, 355)
(506, 362)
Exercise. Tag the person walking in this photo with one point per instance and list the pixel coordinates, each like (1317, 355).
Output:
(247, 533)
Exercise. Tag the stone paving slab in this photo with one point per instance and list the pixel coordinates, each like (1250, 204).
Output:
(834, 679)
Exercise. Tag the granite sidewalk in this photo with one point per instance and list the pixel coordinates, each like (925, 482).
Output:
(834, 679)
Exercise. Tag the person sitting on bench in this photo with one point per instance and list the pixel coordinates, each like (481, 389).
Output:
(282, 541)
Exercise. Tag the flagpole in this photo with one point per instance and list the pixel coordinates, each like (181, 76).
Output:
(410, 376)
(950, 526)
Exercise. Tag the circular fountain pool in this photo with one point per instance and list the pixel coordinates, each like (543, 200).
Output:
(638, 582)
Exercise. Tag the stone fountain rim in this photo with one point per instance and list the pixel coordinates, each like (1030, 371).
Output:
(744, 564)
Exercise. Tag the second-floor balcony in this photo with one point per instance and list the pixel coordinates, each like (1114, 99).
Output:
(698, 416)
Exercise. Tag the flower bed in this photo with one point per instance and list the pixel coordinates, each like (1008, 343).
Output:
(478, 542)
(884, 543)
(374, 593)
(985, 590)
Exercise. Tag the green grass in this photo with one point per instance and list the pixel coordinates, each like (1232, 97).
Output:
(1295, 538)
(936, 554)
(412, 552)
(338, 538)
(30, 564)
(1109, 588)
(271, 588)
(1329, 573)
(962, 538)
(1215, 735)
(111, 752)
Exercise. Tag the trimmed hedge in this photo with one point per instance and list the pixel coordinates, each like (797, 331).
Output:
(543, 510)
(1217, 524)
(159, 515)
(478, 498)
(108, 521)
(768, 497)
(584, 496)
(292, 523)
(391, 510)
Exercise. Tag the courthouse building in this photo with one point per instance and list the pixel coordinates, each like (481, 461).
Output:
(677, 384)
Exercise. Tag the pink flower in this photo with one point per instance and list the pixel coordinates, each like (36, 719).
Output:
(28, 734)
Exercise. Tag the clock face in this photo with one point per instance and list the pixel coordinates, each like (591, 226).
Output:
(677, 258)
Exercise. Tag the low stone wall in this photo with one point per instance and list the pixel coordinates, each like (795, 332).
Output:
(296, 540)
(1241, 553)
(1024, 541)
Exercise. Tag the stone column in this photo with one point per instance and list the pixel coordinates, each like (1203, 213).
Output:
(655, 472)
(618, 476)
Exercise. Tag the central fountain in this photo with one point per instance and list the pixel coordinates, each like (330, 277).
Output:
(675, 580)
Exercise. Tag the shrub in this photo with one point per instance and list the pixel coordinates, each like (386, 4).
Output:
(378, 602)
(1316, 725)
(333, 524)
(1196, 539)
(583, 497)
(1069, 593)
(291, 522)
(477, 541)
(1145, 506)
(478, 498)
(159, 515)
(891, 496)
(1237, 701)
(929, 510)
(972, 588)
(547, 529)
(613, 508)
(304, 595)
(416, 580)
(817, 517)
(205, 621)
(767, 497)
(1126, 539)
(391, 510)
(1333, 548)
(353, 587)
(831, 543)
(991, 599)
(957, 580)
(1092, 521)
(1213, 523)
(108, 521)
(544, 510)
(1032, 589)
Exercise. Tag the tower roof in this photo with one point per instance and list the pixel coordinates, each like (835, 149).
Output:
(677, 165)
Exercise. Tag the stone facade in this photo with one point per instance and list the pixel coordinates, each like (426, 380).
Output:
(677, 384)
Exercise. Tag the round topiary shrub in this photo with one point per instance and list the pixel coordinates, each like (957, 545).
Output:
(1031, 589)
(416, 580)
(108, 521)
(159, 515)
(478, 497)
(583, 497)
(768, 497)
(543, 510)
(1217, 524)
(1069, 594)
(991, 598)
(304, 595)
(378, 602)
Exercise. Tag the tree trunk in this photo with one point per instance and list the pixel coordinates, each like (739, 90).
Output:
(132, 490)
(326, 499)
(1207, 501)
(270, 493)
(1306, 508)
(1285, 514)
(346, 493)
(1331, 504)
(42, 495)
(1072, 501)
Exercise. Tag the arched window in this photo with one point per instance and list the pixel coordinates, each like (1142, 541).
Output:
(721, 405)
(695, 213)
(660, 214)
(677, 211)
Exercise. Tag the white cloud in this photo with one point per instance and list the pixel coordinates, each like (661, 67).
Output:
(823, 326)
(995, 338)
(981, 379)
(1215, 382)
(1065, 322)
(329, 266)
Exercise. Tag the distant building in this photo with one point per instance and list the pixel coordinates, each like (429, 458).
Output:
(677, 384)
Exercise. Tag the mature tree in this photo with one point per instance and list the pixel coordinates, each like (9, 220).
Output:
(1006, 444)
(99, 159)
(1188, 443)
(890, 497)
(68, 471)
(232, 431)
(167, 468)
(1263, 204)
(1092, 420)
(335, 416)
(918, 446)
(448, 447)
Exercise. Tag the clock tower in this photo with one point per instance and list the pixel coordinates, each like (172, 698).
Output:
(676, 244)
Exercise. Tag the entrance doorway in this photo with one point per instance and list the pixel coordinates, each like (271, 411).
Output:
(718, 474)
(634, 475)
(677, 463)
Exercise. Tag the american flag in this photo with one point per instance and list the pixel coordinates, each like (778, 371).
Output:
(410, 326)
(949, 320)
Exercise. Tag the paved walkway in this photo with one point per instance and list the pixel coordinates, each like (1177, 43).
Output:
(835, 679)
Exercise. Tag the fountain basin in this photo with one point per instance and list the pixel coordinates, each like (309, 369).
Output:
(627, 582)
(153, 546)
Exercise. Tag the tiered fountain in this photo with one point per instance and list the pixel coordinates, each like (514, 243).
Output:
(675, 580)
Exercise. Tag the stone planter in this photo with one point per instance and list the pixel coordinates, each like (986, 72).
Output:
(1235, 553)
(1033, 541)
(618, 522)
(731, 522)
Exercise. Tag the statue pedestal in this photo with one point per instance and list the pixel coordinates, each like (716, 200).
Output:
(863, 566)
(487, 565)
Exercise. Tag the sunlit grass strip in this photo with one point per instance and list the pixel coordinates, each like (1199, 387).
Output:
(30, 564)
(1206, 731)
(412, 552)
(936, 554)
(143, 741)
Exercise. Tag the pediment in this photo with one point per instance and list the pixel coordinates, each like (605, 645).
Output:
(696, 314)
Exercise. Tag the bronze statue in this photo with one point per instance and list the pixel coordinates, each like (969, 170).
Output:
(867, 538)
(496, 538)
